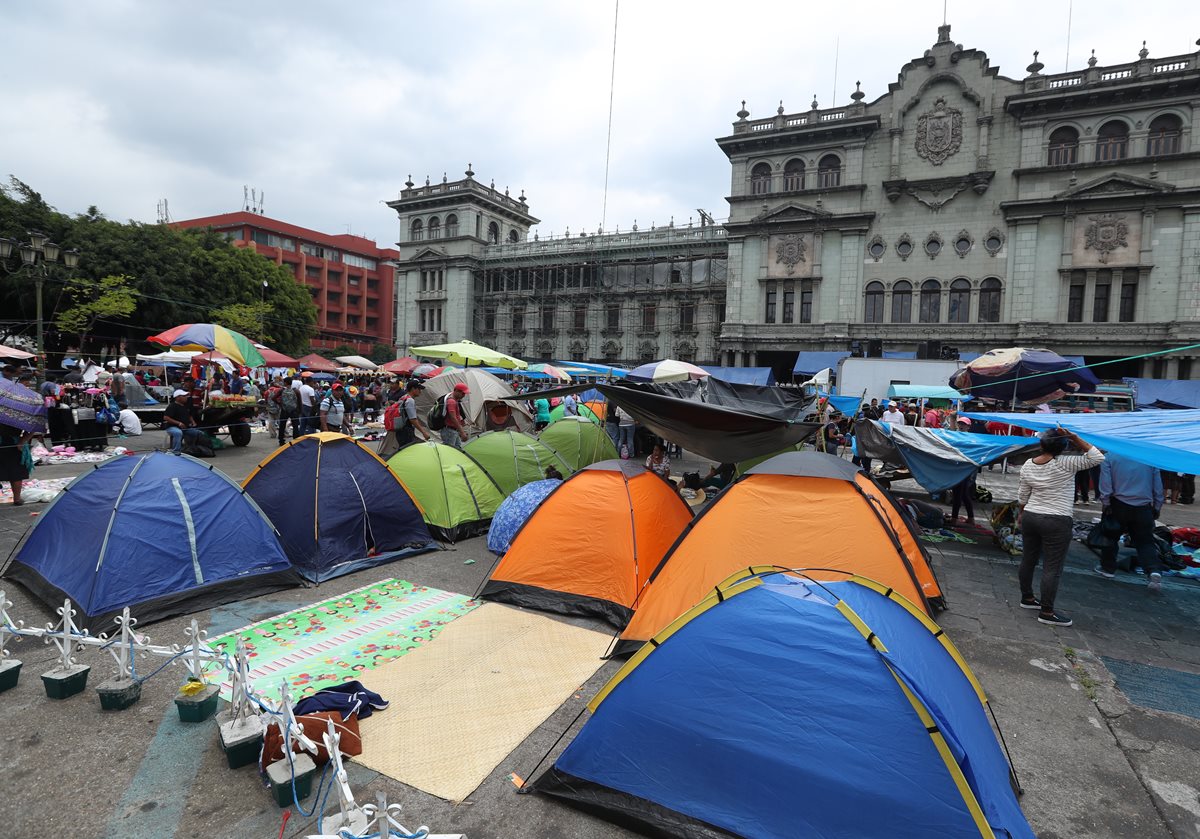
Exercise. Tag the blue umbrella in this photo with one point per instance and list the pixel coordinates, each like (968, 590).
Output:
(1017, 374)
(515, 511)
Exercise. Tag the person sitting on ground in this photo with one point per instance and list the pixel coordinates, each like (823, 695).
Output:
(128, 423)
(1045, 496)
(719, 477)
(179, 422)
(658, 462)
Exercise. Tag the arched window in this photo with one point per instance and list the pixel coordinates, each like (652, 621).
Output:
(1165, 133)
(902, 302)
(493, 233)
(435, 228)
(418, 230)
(960, 301)
(931, 302)
(514, 236)
(760, 179)
(873, 312)
(829, 171)
(793, 175)
(451, 225)
(989, 301)
(1112, 141)
(1064, 147)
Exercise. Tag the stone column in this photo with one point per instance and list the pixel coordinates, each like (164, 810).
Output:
(1188, 303)
(894, 171)
(981, 159)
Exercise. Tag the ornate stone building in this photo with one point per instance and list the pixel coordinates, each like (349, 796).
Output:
(468, 268)
(967, 207)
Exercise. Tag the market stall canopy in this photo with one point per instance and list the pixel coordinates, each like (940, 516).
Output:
(468, 353)
(550, 371)
(1165, 393)
(938, 458)
(596, 369)
(809, 362)
(357, 361)
(1020, 374)
(206, 337)
(400, 366)
(13, 352)
(667, 370)
(1167, 440)
(317, 364)
(924, 392)
(274, 358)
(742, 375)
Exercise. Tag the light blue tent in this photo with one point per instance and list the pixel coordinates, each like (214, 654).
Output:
(925, 392)
(782, 707)
(161, 534)
(515, 511)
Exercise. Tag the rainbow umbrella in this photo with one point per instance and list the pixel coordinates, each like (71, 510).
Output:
(551, 371)
(210, 337)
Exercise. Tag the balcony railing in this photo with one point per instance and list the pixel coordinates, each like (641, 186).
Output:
(602, 241)
(1135, 70)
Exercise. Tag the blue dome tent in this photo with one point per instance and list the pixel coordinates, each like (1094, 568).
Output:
(337, 506)
(161, 534)
(783, 707)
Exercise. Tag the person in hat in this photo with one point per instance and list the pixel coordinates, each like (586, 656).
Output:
(333, 409)
(893, 415)
(405, 421)
(455, 431)
(178, 421)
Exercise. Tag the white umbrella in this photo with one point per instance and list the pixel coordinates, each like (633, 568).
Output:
(357, 361)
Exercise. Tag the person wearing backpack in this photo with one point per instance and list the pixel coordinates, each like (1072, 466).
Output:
(288, 399)
(401, 422)
(332, 412)
(454, 430)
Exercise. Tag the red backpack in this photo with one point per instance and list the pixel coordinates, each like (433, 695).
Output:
(390, 415)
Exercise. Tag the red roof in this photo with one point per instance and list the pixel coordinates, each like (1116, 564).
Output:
(342, 241)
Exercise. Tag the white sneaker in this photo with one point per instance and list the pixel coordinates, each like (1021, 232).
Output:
(1155, 584)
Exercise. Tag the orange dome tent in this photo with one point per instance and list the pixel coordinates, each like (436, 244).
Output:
(591, 545)
(796, 510)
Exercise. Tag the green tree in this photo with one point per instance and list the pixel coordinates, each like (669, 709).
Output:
(381, 353)
(109, 297)
(250, 319)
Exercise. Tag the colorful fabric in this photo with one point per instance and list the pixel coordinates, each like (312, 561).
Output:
(21, 408)
(202, 337)
(515, 511)
(336, 640)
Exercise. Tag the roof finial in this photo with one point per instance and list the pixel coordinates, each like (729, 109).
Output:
(409, 183)
(1037, 66)
(1143, 52)
(814, 102)
(780, 109)
(857, 95)
(469, 173)
(743, 113)
(1092, 60)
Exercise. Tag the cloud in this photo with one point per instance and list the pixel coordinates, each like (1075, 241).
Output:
(328, 108)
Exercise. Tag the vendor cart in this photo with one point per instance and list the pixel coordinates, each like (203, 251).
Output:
(232, 412)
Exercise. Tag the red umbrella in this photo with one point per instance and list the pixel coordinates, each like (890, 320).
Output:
(318, 364)
(274, 358)
(401, 366)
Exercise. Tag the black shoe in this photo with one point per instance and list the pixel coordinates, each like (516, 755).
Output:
(1030, 603)
(1054, 619)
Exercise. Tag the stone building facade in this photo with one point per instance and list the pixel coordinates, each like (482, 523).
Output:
(980, 211)
(468, 268)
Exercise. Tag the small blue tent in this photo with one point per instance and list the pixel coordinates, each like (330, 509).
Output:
(783, 707)
(337, 506)
(515, 511)
(161, 534)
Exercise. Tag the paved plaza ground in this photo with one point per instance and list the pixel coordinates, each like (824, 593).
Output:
(1096, 754)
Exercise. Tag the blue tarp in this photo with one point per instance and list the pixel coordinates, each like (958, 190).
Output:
(924, 392)
(938, 458)
(337, 506)
(847, 405)
(743, 375)
(811, 362)
(1165, 393)
(811, 729)
(598, 369)
(899, 354)
(1169, 440)
(161, 534)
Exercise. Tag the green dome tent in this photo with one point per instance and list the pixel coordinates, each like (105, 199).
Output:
(584, 411)
(513, 459)
(581, 442)
(457, 497)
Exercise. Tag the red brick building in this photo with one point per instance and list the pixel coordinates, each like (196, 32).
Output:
(349, 277)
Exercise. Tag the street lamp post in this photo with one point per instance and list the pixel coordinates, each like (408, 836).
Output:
(37, 256)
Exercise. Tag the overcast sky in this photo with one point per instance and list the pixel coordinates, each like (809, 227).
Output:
(328, 107)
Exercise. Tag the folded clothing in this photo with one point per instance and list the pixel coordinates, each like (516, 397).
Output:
(315, 725)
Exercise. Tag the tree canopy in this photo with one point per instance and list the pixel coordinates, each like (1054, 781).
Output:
(172, 276)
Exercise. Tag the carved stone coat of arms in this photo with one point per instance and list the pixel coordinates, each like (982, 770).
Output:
(1104, 234)
(789, 251)
(939, 132)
